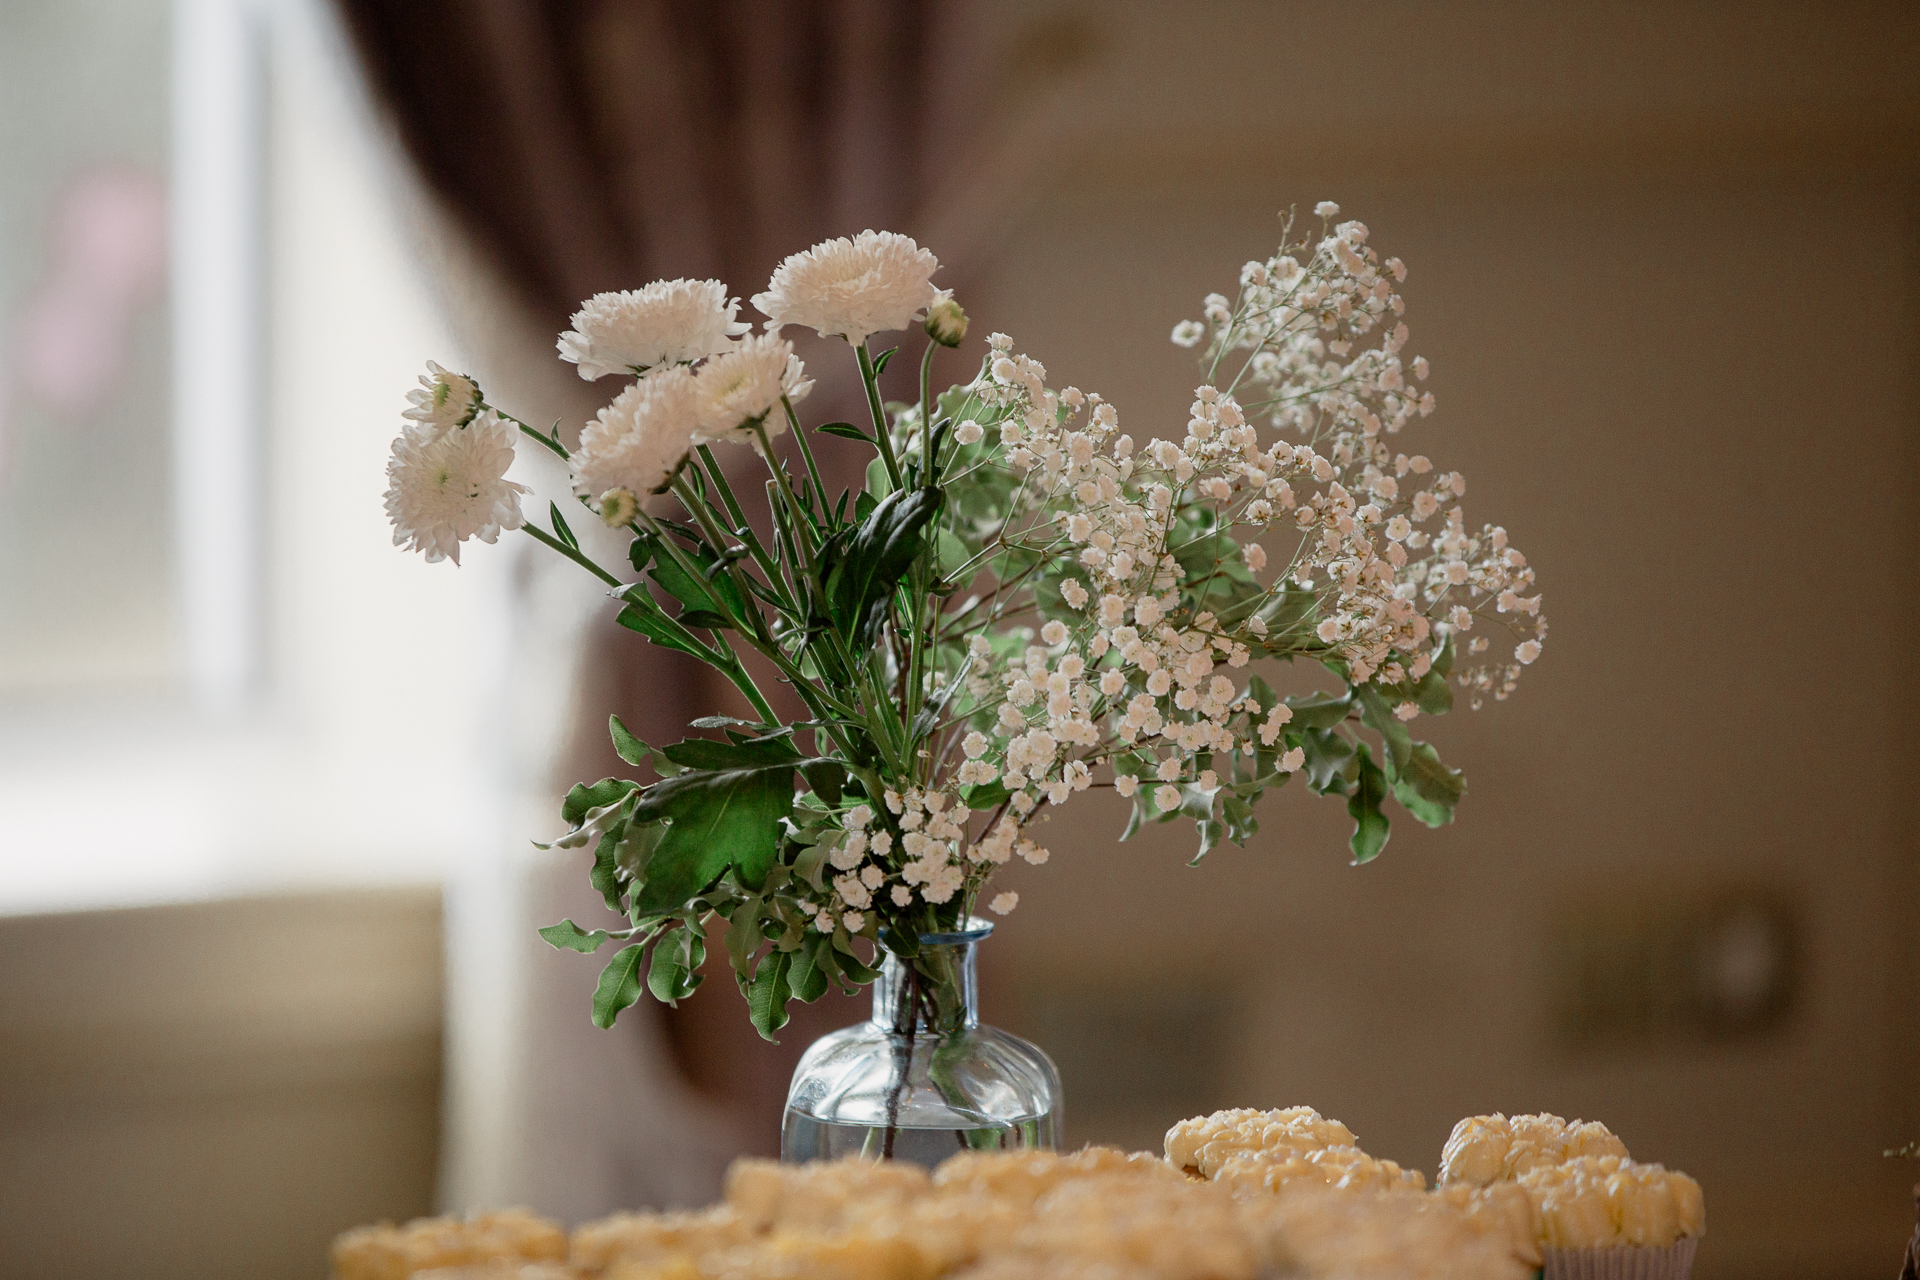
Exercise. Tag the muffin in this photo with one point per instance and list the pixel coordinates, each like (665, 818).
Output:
(1599, 1215)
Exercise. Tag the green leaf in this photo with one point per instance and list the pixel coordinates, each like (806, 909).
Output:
(767, 994)
(1369, 824)
(605, 875)
(644, 614)
(1426, 788)
(1319, 710)
(619, 986)
(707, 753)
(560, 529)
(674, 973)
(568, 936)
(713, 592)
(1239, 817)
(583, 798)
(743, 934)
(828, 778)
(1431, 692)
(1378, 716)
(717, 818)
(1328, 755)
(635, 850)
(629, 748)
(640, 552)
(806, 977)
(846, 430)
(860, 576)
(880, 361)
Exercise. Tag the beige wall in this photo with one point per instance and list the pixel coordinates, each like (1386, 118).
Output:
(217, 1090)
(1664, 267)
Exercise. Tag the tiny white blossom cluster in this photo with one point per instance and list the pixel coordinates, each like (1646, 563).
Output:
(1301, 325)
(1355, 554)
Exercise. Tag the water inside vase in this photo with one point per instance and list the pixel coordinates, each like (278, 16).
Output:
(806, 1138)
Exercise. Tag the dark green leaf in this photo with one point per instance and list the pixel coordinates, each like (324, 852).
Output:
(847, 430)
(1378, 716)
(1426, 788)
(573, 811)
(676, 963)
(767, 994)
(635, 850)
(861, 576)
(712, 592)
(1319, 710)
(827, 778)
(718, 818)
(1327, 757)
(619, 986)
(605, 875)
(643, 614)
(560, 529)
(880, 361)
(705, 620)
(568, 936)
(806, 978)
(1369, 824)
(640, 552)
(707, 753)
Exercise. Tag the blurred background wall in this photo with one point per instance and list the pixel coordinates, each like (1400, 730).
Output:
(1663, 263)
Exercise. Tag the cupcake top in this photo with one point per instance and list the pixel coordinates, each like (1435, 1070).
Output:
(1603, 1201)
(1486, 1149)
(1204, 1144)
(1345, 1167)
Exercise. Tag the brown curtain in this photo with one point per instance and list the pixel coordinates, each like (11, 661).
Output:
(591, 146)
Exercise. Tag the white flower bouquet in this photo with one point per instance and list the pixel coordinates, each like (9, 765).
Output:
(1023, 603)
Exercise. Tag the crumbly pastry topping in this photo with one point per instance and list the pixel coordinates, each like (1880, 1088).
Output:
(1242, 1195)
(512, 1237)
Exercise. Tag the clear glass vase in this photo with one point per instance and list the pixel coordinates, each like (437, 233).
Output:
(922, 1080)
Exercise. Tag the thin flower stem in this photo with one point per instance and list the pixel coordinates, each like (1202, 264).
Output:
(926, 414)
(882, 436)
(571, 553)
(806, 453)
(552, 442)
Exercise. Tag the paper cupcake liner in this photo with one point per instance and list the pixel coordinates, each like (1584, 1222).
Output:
(1622, 1262)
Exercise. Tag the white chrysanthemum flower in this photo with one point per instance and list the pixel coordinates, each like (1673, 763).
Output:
(666, 322)
(877, 281)
(443, 399)
(1004, 903)
(445, 485)
(747, 383)
(638, 442)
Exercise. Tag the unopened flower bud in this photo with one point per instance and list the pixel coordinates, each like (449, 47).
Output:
(946, 322)
(618, 507)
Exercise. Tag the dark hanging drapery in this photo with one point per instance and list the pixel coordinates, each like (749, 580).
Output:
(592, 146)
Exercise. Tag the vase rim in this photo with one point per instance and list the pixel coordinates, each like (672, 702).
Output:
(975, 929)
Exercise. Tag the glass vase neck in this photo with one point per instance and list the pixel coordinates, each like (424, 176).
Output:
(934, 991)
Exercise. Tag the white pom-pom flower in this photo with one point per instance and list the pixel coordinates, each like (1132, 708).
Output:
(666, 322)
(445, 485)
(745, 383)
(639, 441)
(443, 399)
(878, 280)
